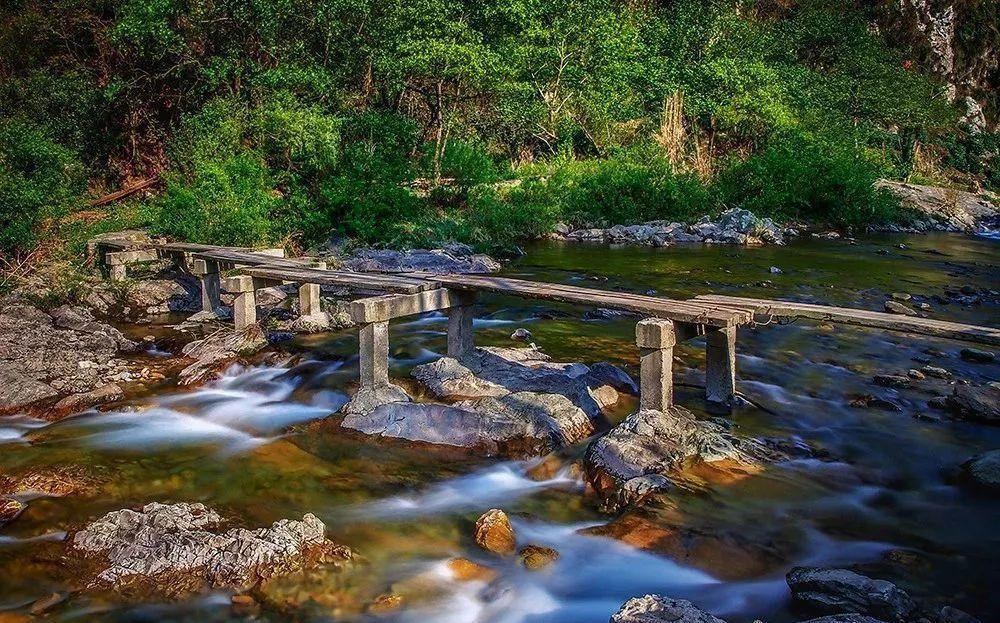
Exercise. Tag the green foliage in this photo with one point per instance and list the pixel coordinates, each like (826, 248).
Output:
(40, 182)
(975, 154)
(229, 201)
(815, 178)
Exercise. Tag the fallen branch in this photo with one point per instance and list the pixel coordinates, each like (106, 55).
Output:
(125, 192)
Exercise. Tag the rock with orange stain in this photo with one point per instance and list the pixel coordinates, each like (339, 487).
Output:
(464, 570)
(386, 602)
(494, 533)
(535, 557)
(723, 554)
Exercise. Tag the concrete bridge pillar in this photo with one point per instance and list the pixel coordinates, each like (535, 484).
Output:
(309, 299)
(460, 337)
(208, 273)
(656, 339)
(245, 303)
(720, 365)
(374, 354)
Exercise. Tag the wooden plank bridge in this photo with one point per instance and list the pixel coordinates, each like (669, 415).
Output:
(382, 297)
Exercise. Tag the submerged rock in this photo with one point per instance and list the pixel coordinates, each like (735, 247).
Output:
(456, 259)
(840, 590)
(175, 549)
(535, 557)
(654, 442)
(55, 481)
(981, 404)
(660, 609)
(984, 470)
(494, 533)
(976, 355)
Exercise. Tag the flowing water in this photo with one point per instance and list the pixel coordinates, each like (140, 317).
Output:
(256, 446)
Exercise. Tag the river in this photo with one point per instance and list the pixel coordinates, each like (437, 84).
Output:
(256, 445)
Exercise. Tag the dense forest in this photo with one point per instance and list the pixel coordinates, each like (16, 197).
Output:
(409, 123)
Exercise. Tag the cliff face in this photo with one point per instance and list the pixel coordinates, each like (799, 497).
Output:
(959, 40)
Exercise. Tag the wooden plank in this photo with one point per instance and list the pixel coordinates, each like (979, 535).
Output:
(365, 281)
(859, 317)
(680, 311)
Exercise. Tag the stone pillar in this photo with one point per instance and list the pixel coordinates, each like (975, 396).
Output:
(117, 267)
(208, 273)
(309, 299)
(656, 340)
(461, 341)
(720, 365)
(373, 341)
(245, 304)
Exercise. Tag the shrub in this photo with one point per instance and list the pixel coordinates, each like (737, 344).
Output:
(227, 202)
(40, 182)
(804, 176)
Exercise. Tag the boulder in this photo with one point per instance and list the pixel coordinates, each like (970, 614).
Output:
(663, 442)
(535, 557)
(176, 549)
(160, 296)
(984, 470)
(454, 260)
(981, 404)
(46, 355)
(976, 355)
(660, 609)
(519, 424)
(494, 372)
(838, 591)
(945, 208)
(219, 348)
(370, 405)
(494, 533)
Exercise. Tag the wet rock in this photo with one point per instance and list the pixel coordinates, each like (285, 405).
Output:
(455, 260)
(46, 355)
(984, 470)
(175, 549)
(494, 533)
(977, 356)
(602, 313)
(535, 557)
(981, 404)
(386, 602)
(655, 442)
(220, 347)
(519, 424)
(521, 335)
(660, 609)
(43, 605)
(77, 402)
(874, 402)
(465, 570)
(936, 372)
(56, 481)
(916, 375)
(588, 235)
(840, 590)
(891, 380)
(9, 509)
(494, 372)
(894, 307)
(367, 401)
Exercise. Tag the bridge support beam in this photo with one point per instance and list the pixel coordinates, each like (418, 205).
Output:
(245, 303)
(720, 365)
(207, 272)
(461, 340)
(309, 299)
(118, 262)
(656, 339)
(374, 354)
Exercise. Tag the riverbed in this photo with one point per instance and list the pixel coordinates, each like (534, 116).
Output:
(257, 445)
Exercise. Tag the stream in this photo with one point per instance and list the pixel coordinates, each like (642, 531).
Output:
(256, 445)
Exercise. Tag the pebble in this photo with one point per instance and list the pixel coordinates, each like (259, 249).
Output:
(776, 271)
(936, 372)
(916, 374)
(521, 335)
(898, 308)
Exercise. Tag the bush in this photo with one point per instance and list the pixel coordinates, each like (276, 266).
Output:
(225, 202)
(40, 182)
(804, 176)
